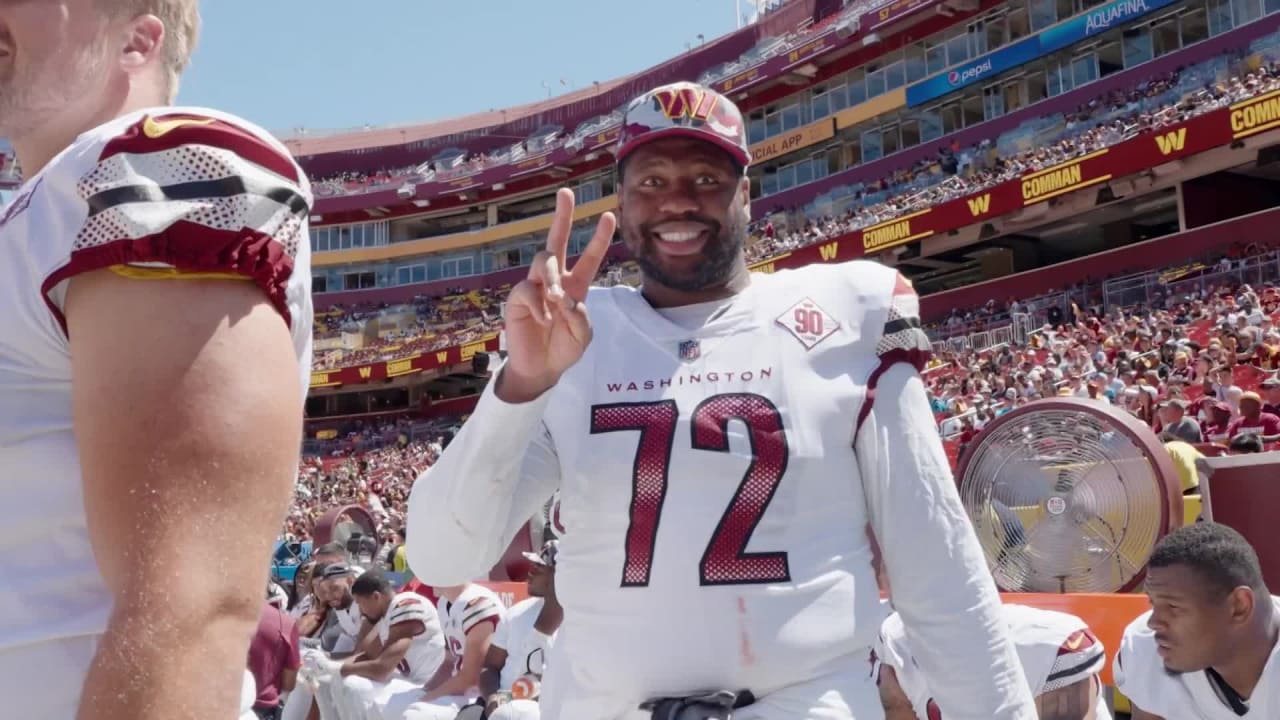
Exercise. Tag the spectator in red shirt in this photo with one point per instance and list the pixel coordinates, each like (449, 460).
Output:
(1217, 427)
(274, 659)
(1253, 421)
(1271, 393)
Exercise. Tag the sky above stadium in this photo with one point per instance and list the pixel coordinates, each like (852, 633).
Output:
(325, 64)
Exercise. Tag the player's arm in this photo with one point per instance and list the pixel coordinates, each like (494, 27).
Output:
(442, 673)
(474, 653)
(494, 660)
(379, 667)
(958, 635)
(896, 704)
(187, 413)
(368, 643)
(187, 401)
(1076, 701)
(495, 475)
(312, 620)
(491, 673)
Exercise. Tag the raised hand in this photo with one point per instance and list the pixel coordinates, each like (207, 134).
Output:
(547, 328)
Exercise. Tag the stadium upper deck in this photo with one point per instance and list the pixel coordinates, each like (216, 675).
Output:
(1134, 155)
(928, 86)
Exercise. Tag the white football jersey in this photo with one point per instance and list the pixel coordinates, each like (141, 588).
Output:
(1056, 650)
(716, 477)
(526, 647)
(426, 650)
(1140, 675)
(156, 192)
(476, 605)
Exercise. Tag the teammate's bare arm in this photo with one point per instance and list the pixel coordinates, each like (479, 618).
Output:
(312, 620)
(187, 412)
(491, 674)
(1077, 701)
(896, 704)
(443, 673)
(379, 665)
(1137, 713)
(367, 646)
(473, 656)
(367, 642)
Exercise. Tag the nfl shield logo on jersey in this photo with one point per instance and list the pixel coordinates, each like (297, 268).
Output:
(690, 350)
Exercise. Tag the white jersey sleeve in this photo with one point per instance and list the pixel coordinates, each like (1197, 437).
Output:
(479, 609)
(475, 606)
(189, 191)
(925, 536)
(1139, 670)
(426, 649)
(467, 508)
(182, 192)
(410, 607)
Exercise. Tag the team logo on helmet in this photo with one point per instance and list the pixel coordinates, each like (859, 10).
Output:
(690, 102)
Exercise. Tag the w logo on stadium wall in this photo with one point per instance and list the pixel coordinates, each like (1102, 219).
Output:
(686, 102)
(1172, 142)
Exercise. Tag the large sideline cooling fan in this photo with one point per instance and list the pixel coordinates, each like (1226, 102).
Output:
(1069, 495)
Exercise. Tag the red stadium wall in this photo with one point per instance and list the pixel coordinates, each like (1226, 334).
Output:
(1259, 227)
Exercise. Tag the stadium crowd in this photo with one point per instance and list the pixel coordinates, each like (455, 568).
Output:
(1196, 361)
(955, 172)
(457, 318)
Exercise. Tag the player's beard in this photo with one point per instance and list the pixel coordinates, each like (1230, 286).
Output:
(716, 265)
(33, 94)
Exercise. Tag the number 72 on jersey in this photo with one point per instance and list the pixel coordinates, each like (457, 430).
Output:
(725, 560)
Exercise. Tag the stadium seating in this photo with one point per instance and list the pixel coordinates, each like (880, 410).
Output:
(346, 338)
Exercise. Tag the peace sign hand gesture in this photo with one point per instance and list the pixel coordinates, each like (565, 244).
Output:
(547, 327)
